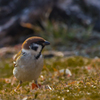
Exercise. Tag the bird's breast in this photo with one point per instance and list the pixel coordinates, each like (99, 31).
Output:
(28, 68)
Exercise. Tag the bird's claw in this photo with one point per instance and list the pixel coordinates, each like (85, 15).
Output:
(13, 91)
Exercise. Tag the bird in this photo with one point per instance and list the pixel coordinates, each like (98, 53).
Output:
(28, 62)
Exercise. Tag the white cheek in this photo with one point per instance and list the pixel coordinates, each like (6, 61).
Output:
(39, 48)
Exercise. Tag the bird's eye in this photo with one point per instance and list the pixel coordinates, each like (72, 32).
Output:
(34, 48)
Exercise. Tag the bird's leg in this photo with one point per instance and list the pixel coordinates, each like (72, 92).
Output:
(15, 90)
(37, 84)
(20, 82)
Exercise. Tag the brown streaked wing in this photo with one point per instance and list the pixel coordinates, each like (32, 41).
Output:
(16, 56)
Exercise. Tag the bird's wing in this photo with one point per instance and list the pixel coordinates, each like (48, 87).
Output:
(16, 57)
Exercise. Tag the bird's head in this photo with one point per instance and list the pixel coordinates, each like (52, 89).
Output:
(35, 44)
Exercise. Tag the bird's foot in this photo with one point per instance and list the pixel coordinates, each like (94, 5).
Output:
(13, 91)
(35, 86)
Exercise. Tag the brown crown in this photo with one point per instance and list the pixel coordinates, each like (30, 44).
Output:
(30, 40)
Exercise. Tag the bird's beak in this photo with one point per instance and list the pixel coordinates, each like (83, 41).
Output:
(46, 43)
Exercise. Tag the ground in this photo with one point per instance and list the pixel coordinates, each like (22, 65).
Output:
(62, 78)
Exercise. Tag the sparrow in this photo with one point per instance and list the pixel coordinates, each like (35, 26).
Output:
(28, 63)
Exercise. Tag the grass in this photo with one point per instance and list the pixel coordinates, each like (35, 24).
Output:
(84, 84)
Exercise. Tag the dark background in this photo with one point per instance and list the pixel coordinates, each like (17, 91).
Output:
(70, 25)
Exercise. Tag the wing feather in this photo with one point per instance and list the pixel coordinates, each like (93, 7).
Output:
(16, 56)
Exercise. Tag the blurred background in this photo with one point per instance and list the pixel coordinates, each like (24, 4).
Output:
(71, 26)
(71, 69)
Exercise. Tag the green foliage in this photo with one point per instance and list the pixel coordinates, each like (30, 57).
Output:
(59, 34)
